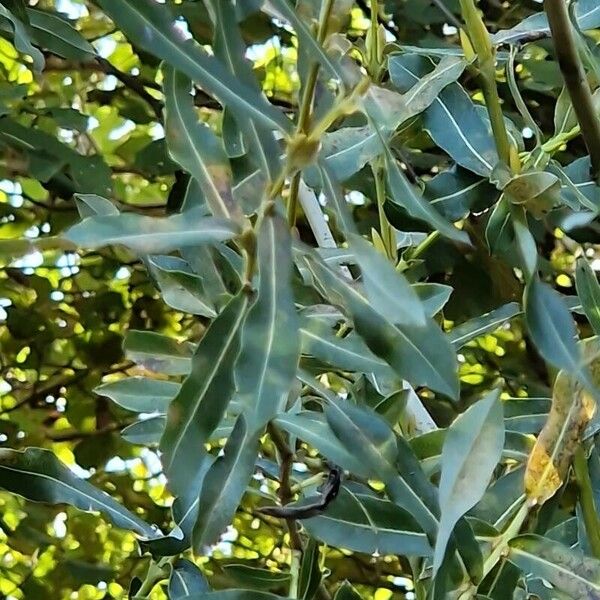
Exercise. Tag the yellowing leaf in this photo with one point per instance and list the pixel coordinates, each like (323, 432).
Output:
(572, 409)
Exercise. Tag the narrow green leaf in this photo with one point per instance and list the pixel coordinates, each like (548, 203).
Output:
(526, 415)
(152, 27)
(452, 119)
(390, 109)
(403, 194)
(230, 48)
(457, 192)
(370, 438)
(466, 332)
(140, 394)
(225, 484)
(89, 205)
(499, 233)
(310, 573)
(588, 291)
(420, 355)
(569, 570)
(255, 578)
(146, 432)
(587, 13)
(312, 428)
(268, 361)
(195, 147)
(387, 289)
(348, 352)
(472, 449)
(180, 287)
(287, 12)
(150, 235)
(158, 352)
(185, 580)
(362, 522)
(59, 36)
(21, 39)
(551, 327)
(202, 400)
(433, 296)
(38, 475)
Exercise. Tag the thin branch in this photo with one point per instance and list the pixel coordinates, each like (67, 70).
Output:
(575, 78)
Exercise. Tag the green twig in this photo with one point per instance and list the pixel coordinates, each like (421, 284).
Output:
(486, 62)
(306, 106)
(586, 499)
(575, 78)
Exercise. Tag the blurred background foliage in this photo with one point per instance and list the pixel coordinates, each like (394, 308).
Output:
(94, 125)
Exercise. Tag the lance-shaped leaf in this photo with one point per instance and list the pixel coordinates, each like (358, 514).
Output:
(370, 438)
(456, 192)
(433, 296)
(286, 11)
(526, 415)
(181, 288)
(185, 580)
(587, 13)
(551, 327)
(158, 352)
(57, 35)
(21, 39)
(568, 570)
(309, 577)
(150, 235)
(464, 333)
(38, 475)
(572, 409)
(588, 291)
(225, 484)
(472, 449)
(452, 119)
(145, 432)
(195, 147)
(140, 394)
(255, 578)
(202, 400)
(184, 512)
(362, 522)
(230, 48)
(387, 289)
(421, 355)
(403, 194)
(312, 428)
(349, 353)
(268, 361)
(152, 26)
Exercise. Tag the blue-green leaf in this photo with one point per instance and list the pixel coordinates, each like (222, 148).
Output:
(588, 291)
(268, 361)
(38, 475)
(452, 119)
(186, 579)
(472, 449)
(150, 235)
(195, 147)
(224, 485)
(140, 394)
(202, 400)
(569, 570)
(152, 27)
